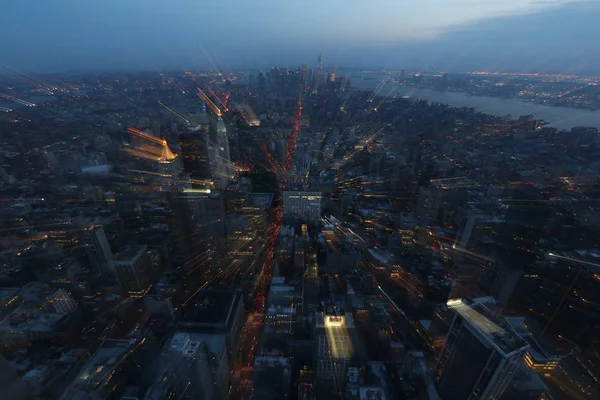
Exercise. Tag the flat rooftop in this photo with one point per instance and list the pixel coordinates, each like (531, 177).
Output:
(263, 200)
(99, 367)
(371, 393)
(129, 253)
(492, 328)
(210, 309)
(31, 319)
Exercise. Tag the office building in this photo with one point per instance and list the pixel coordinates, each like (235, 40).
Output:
(303, 205)
(217, 312)
(98, 247)
(334, 330)
(218, 152)
(480, 355)
(169, 166)
(272, 378)
(183, 370)
(110, 368)
(194, 152)
(133, 269)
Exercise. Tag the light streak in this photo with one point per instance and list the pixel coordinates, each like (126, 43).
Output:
(187, 121)
(220, 75)
(209, 102)
(223, 106)
(144, 135)
(574, 259)
(11, 98)
(148, 151)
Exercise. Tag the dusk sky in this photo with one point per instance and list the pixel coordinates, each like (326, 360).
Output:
(512, 35)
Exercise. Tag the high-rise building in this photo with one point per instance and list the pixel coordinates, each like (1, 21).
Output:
(184, 369)
(303, 205)
(194, 151)
(169, 163)
(318, 78)
(133, 270)
(480, 356)
(570, 308)
(98, 248)
(334, 331)
(271, 378)
(218, 152)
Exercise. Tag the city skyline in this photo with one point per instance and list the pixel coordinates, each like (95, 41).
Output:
(300, 200)
(521, 36)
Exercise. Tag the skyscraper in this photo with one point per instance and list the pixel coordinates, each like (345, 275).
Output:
(318, 78)
(194, 151)
(218, 152)
(169, 166)
(481, 354)
(303, 205)
(133, 270)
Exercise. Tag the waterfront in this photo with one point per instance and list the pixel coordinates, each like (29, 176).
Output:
(559, 117)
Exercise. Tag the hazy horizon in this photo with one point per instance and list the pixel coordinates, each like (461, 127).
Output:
(452, 35)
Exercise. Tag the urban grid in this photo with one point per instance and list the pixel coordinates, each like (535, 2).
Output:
(289, 233)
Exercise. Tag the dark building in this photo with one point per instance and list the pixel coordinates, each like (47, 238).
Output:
(194, 151)
(218, 312)
(480, 356)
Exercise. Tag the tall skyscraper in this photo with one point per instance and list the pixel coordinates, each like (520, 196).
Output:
(133, 270)
(304, 75)
(218, 152)
(318, 78)
(481, 354)
(98, 248)
(169, 166)
(194, 151)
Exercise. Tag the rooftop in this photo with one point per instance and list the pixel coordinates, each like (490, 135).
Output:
(129, 253)
(210, 309)
(100, 367)
(29, 319)
(262, 200)
(492, 328)
(371, 393)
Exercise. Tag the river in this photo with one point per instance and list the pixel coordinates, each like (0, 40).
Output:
(558, 117)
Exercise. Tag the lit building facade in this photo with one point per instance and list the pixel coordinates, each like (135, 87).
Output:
(303, 205)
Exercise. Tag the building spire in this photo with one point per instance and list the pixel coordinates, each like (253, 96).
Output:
(167, 154)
